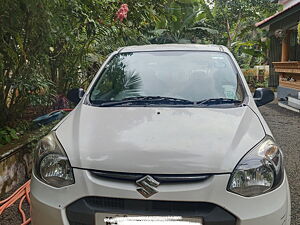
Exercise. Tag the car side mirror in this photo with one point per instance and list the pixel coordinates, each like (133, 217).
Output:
(263, 96)
(75, 95)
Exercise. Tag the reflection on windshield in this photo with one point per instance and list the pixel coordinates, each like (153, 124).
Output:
(117, 79)
(189, 75)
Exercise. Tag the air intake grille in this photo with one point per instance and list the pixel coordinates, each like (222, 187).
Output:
(82, 212)
(162, 178)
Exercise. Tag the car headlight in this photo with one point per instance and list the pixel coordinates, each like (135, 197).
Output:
(259, 171)
(51, 164)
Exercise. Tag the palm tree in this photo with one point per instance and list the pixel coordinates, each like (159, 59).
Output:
(181, 23)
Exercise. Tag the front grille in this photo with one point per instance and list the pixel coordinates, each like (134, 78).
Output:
(162, 178)
(82, 212)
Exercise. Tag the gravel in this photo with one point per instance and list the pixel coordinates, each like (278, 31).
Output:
(12, 216)
(285, 126)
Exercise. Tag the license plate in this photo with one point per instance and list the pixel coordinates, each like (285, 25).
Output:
(114, 219)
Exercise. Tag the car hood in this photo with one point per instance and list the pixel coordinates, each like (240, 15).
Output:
(159, 140)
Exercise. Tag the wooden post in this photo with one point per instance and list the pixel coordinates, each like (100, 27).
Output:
(285, 47)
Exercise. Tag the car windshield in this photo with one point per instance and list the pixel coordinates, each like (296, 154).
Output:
(183, 77)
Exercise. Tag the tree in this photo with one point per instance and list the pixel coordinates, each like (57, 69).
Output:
(48, 47)
(180, 23)
(88, 31)
(23, 43)
(235, 22)
(235, 19)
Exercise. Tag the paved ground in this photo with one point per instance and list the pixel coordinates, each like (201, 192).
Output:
(286, 129)
(11, 216)
(285, 126)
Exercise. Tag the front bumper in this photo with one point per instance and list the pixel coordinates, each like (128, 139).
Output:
(73, 205)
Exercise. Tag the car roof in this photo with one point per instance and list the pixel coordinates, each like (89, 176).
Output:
(173, 47)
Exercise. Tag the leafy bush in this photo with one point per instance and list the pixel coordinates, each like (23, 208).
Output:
(7, 135)
(49, 47)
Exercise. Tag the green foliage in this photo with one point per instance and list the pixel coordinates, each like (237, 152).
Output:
(22, 55)
(255, 80)
(251, 53)
(254, 83)
(49, 47)
(7, 135)
(235, 20)
(230, 23)
(180, 23)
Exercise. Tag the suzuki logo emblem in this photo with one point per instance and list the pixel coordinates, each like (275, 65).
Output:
(147, 186)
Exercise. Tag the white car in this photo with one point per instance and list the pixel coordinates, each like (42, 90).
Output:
(165, 134)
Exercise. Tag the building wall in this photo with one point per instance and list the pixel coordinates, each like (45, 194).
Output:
(275, 46)
(274, 56)
(15, 168)
(294, 49)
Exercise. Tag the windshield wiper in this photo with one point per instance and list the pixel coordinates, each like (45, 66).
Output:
(218, 101)
(148, 100)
